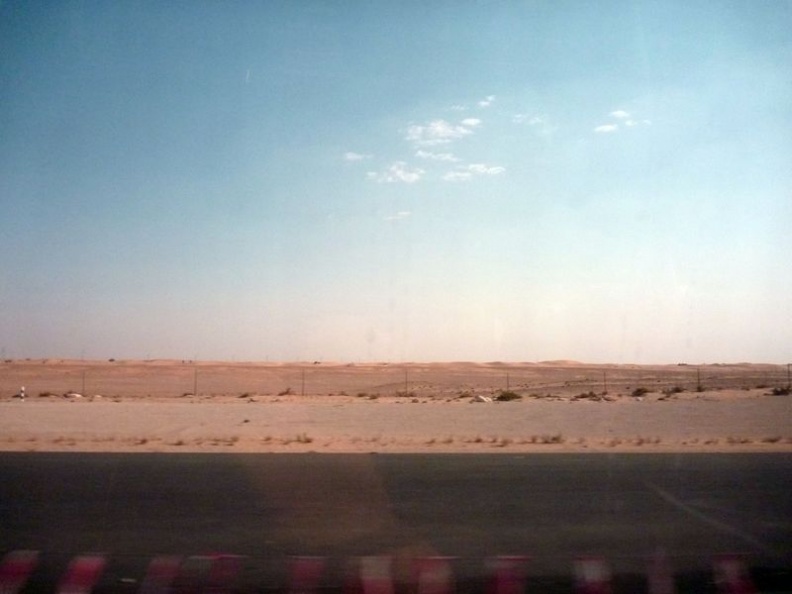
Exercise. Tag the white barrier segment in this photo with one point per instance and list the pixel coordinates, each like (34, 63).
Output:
(731, 575)
(160, 575)
(592, 576)
(82, 574)
(660, 576)
(434, 575)
(305, 574)
(508, 574)
(15, 569)
(376, 575)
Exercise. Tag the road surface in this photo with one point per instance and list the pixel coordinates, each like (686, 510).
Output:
(267, 507)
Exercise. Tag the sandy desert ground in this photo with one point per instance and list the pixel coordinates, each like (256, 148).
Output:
(563, 406)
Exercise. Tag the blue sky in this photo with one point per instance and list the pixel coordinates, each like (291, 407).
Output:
(521, 181)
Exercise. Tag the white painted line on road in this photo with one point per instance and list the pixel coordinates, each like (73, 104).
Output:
(722, 526)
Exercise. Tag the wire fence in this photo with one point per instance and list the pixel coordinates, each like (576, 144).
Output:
(175, 379)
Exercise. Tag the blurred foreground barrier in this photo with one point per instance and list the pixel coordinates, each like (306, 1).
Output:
(731, 575)
(306, 572)
(161, 574)
(218, 573)
(15, 569)
(508, 574)
(592, 576)
(82, 574)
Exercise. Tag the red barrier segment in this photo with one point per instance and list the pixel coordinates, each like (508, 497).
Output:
(15, 570)
(222, 573)
(434, 575)
(82, 574)
(592, 576)
(160, 575)
(731, 575)
(509, 573)
(306, 572)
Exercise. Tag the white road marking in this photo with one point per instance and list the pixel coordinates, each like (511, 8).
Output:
(715, 523)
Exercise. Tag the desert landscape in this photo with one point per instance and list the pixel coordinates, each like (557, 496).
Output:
(552, 406)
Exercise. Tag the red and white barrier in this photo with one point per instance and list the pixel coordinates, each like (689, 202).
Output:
(731, 575)
(660, 577)
(223, 573)
(508, 574)
(433, 575)
(592, 576)
(15, 569)
(375, 575)
(160, 575)
(306, 572)
(82, 574)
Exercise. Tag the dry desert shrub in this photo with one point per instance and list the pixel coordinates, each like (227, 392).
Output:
(507, 396)
(731, 440)
(771, 439)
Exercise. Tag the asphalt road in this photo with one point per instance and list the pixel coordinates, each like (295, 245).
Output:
(267, 507)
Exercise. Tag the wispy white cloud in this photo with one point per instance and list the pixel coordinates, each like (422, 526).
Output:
(455, 176)
(436, 132)
(471, 122)
(457, 107)
(487, 101)
(466, 172)
(399, 216)
(447, 157)
(540, 124)
(606, 128)
(624, 118)
(482, 169)
(352, 156)
(524, 118)
(398, 172)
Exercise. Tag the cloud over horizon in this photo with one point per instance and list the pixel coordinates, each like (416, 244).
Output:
(397, 172)
(438, 132)
(353, 156)
(467, 172)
